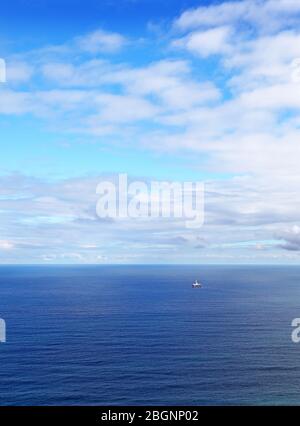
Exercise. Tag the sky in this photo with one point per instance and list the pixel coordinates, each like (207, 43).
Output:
(173, 90)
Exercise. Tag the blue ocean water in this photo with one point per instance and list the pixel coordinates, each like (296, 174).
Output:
(97, 335)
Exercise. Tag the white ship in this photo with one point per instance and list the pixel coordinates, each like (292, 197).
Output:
(196, 284)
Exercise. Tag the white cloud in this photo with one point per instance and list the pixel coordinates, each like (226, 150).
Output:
(18, 71)
(6, 245)
(212, 15)
(281, 96)
(124, 109)
(12, 102)
(265, 15)
(290, 238)
(91, 73)
(205, 43)
(257, 208)
(101, 42)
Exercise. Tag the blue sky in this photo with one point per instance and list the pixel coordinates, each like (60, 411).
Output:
(64, 18)
(175, 90)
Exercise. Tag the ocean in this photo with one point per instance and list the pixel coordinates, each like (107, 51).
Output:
(140, 335)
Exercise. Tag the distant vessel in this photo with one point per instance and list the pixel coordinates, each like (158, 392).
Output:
(196, 284)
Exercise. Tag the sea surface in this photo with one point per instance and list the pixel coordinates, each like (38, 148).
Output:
(135, 335)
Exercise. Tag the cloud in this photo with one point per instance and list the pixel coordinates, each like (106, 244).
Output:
(99, 96)
(264, 15)
(89, 73)
(18, 71)
(215, 15)
(6, 245)
(169, 81)
(46, 221)
(56, 221)
(291, 238)
(100, 41)
(205, 43)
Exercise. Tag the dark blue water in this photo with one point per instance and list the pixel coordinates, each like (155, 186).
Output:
(142, 335)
